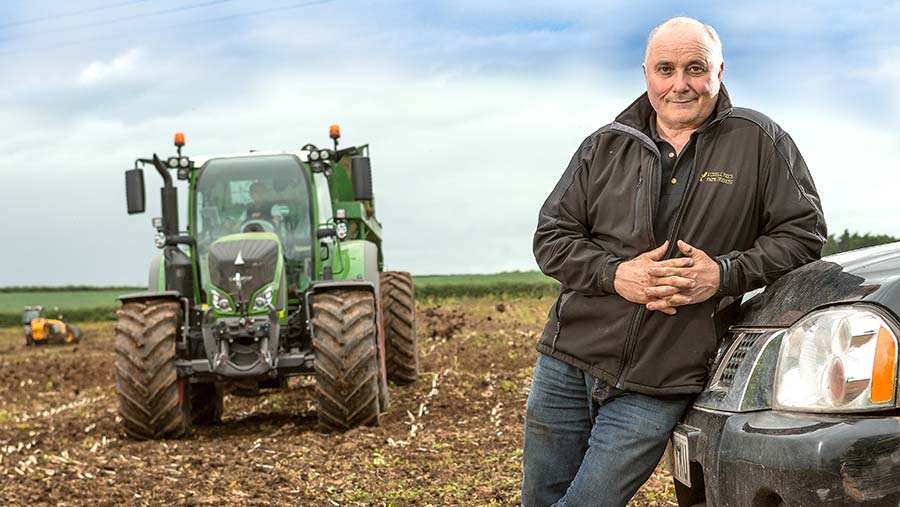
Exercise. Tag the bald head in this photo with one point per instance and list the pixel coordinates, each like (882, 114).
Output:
(683, 66)
(683, 28)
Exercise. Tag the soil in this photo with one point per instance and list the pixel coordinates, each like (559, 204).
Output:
(452, 438)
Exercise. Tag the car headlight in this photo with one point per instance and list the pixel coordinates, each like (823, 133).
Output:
(841, 359)
(220, 301)
(264, 299)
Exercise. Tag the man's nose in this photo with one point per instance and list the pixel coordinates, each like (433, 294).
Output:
(681, 84)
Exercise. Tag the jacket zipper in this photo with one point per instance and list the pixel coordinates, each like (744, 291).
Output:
(637, 318)
(638, 314)
(633, 328)
(650, 181)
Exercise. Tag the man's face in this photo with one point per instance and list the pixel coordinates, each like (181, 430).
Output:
(257, 194)
(682, 83)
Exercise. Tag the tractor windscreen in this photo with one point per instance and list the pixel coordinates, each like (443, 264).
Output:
(255, 194)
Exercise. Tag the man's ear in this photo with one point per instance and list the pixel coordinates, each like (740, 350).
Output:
(721, 70)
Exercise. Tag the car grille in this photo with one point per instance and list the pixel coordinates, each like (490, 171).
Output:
(733, 358)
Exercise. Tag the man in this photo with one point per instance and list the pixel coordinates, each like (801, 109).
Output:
(260, 208)
(660, 219)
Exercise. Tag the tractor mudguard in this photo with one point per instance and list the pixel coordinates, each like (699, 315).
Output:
(150, 294)
(157, 276)
(326, 285)
(171, 263)
(358, 262)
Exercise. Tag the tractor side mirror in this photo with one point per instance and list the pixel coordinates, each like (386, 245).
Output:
(326, 232)
(361, 169)
(134, 190)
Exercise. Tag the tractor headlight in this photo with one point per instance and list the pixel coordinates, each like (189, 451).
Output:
(172, 162)
(220, 301)
(264, 299)
(324, 155)
(841, 359)
(340, 229)
(184, 162)
(314, 155)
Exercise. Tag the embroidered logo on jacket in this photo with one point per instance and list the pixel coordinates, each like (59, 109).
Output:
(717, 177)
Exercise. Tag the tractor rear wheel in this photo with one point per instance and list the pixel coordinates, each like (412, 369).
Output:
(153, 402)
(398, 302)
(346, 364)
(207, 403)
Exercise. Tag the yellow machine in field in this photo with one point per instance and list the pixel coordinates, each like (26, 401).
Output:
(39, 330)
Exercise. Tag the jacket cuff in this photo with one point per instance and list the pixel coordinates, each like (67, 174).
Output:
(609, 275)
(726, 282)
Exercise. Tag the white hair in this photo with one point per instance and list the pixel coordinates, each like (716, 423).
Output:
(715, 44)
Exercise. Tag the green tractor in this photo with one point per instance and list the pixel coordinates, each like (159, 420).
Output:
(279, 273)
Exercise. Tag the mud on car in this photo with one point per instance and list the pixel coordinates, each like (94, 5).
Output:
(801, 405)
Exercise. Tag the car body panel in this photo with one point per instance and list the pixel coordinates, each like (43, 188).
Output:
(869, 274)
(742, 453)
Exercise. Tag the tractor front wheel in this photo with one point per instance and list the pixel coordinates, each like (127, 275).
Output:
(153, 402)
(346, 364)
(401, 346)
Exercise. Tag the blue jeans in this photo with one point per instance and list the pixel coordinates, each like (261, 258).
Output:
(588, 443)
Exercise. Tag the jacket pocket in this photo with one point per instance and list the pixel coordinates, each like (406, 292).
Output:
(594, 329)
(636, 210)
(560, 305)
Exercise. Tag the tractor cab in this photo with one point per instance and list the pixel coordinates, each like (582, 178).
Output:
(257, 194)
(32, 312)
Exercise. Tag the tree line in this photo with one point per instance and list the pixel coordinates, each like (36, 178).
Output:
(847, 241)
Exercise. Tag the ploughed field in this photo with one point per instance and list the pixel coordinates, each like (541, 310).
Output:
(452, 438)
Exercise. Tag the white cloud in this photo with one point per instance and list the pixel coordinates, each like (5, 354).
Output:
(121, 65)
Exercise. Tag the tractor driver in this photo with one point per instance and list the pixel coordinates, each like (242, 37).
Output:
(260, 207)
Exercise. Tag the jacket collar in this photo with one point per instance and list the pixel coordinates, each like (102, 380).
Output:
(638, 114)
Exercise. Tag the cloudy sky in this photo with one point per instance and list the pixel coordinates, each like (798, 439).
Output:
(472, 109)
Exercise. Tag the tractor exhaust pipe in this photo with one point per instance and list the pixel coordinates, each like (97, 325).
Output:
(169, 196)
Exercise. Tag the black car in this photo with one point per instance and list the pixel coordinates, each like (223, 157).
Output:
(801, 407)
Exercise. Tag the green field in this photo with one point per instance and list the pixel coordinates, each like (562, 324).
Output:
(64, 299)
(514, 284)
(506, 277)
(83, 304)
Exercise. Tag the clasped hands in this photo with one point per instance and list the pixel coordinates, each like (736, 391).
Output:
(663, 285)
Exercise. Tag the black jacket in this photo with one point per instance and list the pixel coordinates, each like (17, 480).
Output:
(750, 202)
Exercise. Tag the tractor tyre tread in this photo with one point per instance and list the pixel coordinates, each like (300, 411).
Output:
(153, 404)
(398, 301)
(346, 364)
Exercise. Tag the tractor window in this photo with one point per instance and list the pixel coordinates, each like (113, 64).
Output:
(30, 315)
(323, 195)
(252, 194)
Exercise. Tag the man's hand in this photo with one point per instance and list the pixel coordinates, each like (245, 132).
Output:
(679, 286)
(634, 278)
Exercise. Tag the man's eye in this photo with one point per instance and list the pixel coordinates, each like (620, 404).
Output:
(664, 70)
(696, 69)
